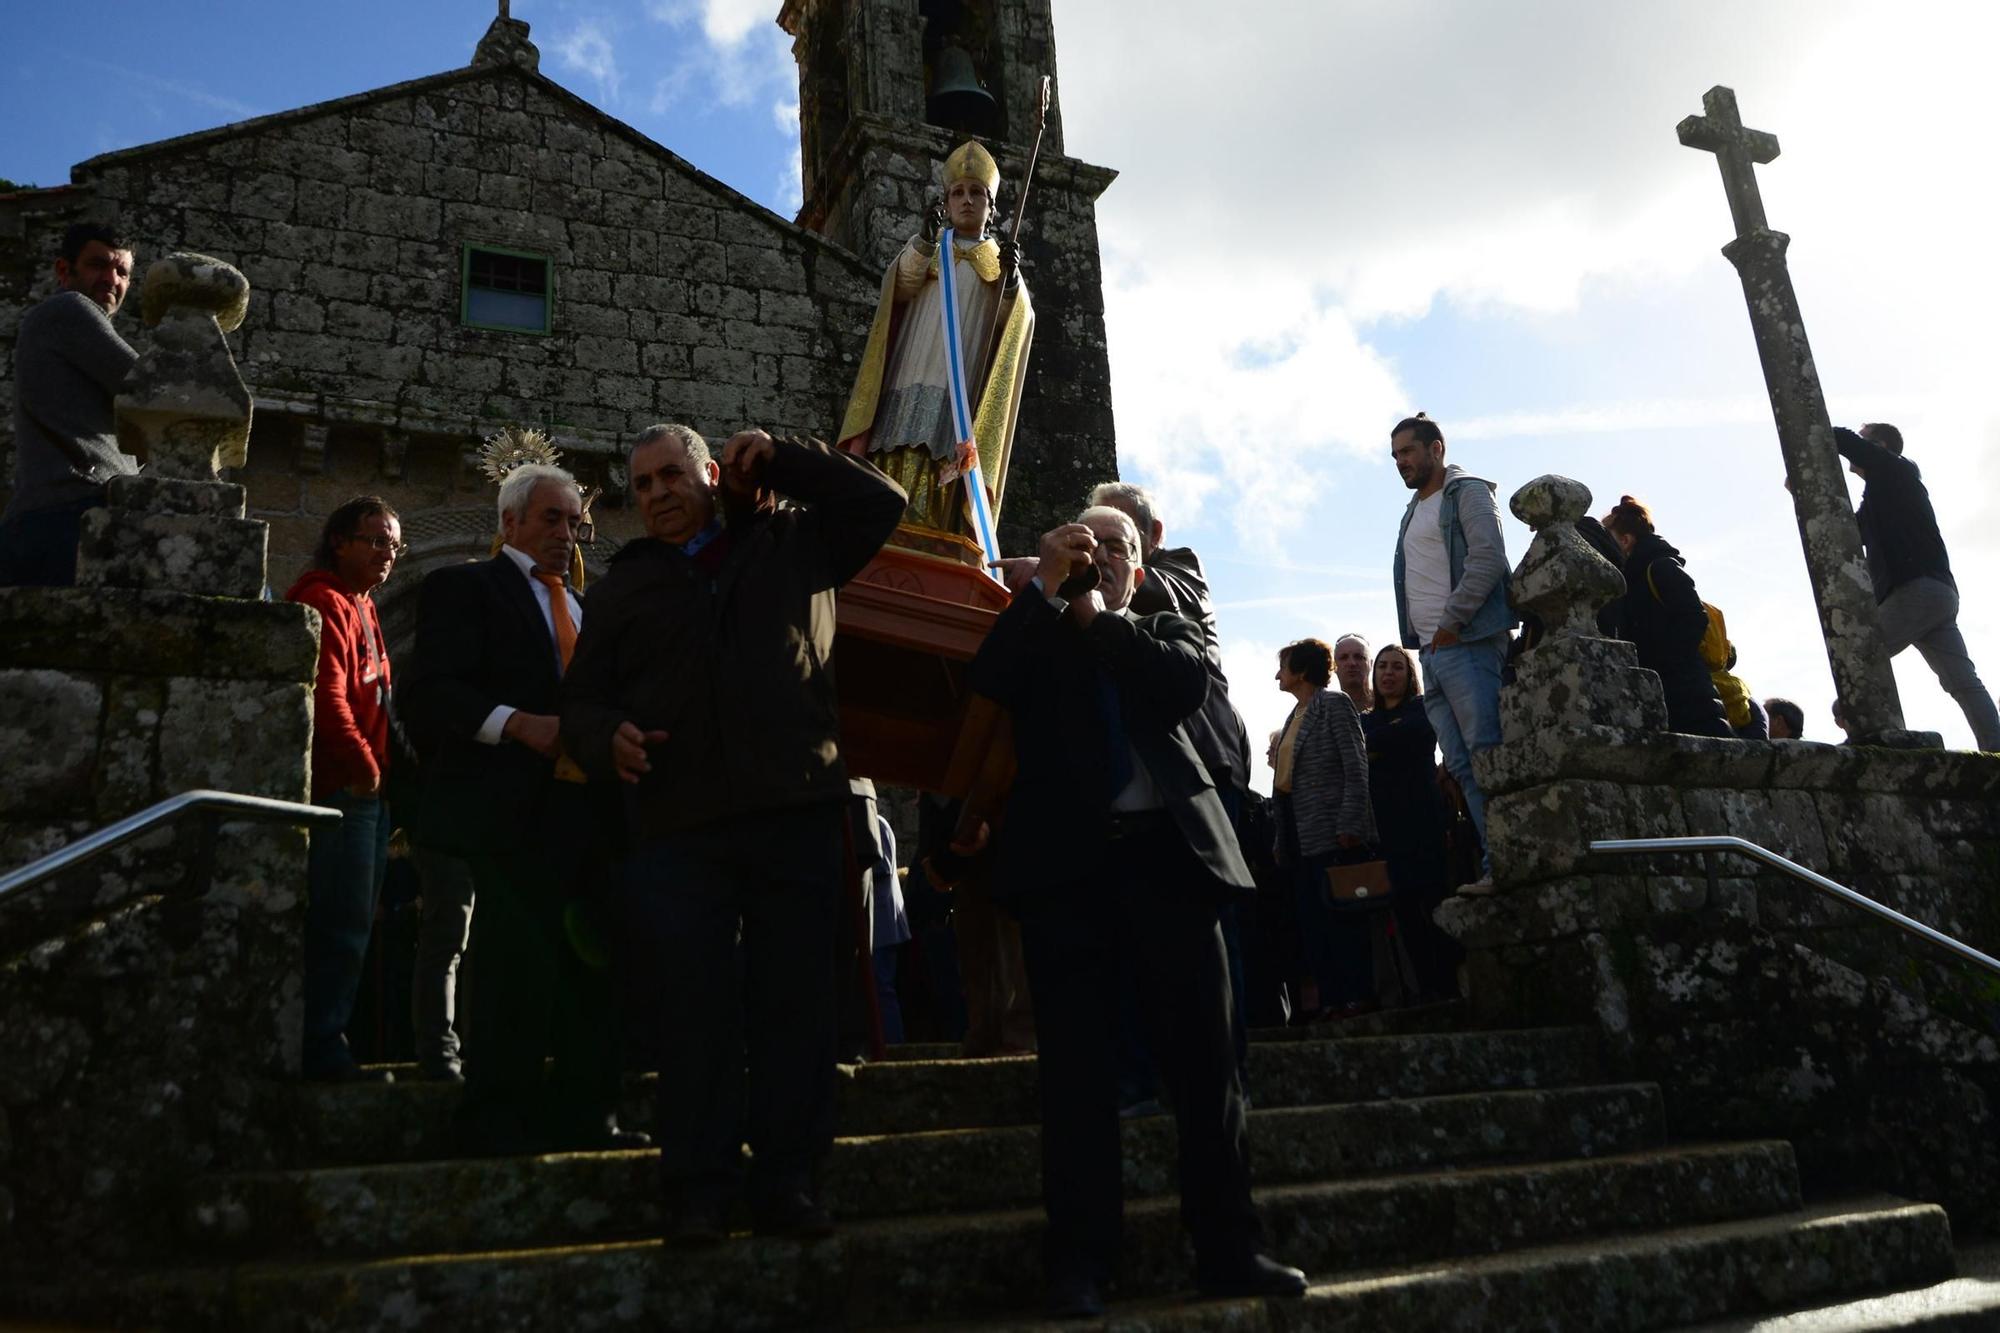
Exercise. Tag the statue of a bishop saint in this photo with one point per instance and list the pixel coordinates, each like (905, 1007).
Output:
(901, 413)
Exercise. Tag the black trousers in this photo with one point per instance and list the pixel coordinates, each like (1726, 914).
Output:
(1144, 911)
(537, 996)
(772, 880)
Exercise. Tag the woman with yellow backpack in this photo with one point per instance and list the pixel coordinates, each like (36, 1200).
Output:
(1672, 627)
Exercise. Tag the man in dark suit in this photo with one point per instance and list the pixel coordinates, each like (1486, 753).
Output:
(493, 641)
(1117, 857)
(703, 682)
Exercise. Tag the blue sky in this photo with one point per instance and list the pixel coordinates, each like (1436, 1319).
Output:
(1332, 213)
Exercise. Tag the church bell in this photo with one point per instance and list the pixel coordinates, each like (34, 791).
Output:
(958, 100)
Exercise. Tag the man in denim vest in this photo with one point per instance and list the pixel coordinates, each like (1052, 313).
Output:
(1451, 605)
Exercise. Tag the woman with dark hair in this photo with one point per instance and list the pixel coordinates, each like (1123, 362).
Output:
(1324, 819)
(1663, 616)
(1411, 816)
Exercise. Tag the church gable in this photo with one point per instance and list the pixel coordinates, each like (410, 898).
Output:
(433, 260)
(354, 221)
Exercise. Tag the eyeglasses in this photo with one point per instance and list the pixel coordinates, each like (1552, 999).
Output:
(1117, 549)
(394, 548)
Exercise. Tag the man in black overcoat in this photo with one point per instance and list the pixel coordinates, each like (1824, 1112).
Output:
(703, 683)
(493, 641)
(1117, 857)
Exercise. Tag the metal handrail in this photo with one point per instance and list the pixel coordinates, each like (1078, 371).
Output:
(1744, 847)
(261, 808)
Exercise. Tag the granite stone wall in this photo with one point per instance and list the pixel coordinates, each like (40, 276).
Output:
(1761, 1006)
(149, 993)
(675, 298)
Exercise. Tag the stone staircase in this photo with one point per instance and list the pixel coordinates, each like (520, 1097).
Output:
(1424, 1179)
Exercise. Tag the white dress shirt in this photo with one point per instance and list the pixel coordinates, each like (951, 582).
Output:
(491, 730)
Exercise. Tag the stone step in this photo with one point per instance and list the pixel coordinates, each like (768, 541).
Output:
(928, 1269)
(909, 1050)
(355, 1123)
(1622, 1284)
(576, 1198)
(922, 1050)
(1970, 1301)
(969, 1094)
(1437, 1016)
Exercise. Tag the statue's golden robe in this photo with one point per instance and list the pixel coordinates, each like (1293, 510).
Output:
(899, 413)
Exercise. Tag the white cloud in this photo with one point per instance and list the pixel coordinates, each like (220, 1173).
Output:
(792, 184)
(1320, 184)
(587, 49)
(1251, 666)
(1616, 418)
(234, 108)
(739, 54)
(1326, 168)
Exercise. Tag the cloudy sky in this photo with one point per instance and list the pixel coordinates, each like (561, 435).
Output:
(1332, 214)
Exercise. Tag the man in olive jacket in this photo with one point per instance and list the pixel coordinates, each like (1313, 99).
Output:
(700, 681)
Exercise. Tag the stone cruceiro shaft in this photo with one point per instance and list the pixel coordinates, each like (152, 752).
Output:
(1861, 674)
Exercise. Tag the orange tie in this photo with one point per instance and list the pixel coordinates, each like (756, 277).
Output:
(559, 613)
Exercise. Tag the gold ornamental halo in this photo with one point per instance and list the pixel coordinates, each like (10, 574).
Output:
(511, 446)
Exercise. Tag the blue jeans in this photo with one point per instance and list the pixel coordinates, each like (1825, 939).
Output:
(1462, 700)
(344, 869)
(886, 1001)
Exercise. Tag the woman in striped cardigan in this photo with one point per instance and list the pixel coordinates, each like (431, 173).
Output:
(1324, 819)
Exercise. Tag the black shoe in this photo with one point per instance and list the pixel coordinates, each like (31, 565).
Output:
(793, 1214)
(696, 1223)
(1077, 1296)
(1258, 1275)
(447, 1072)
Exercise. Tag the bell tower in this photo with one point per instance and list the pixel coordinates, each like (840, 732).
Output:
(887, 88)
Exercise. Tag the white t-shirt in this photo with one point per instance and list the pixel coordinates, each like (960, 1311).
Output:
(1426, 568)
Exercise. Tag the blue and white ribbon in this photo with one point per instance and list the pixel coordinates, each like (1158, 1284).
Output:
(976, 507)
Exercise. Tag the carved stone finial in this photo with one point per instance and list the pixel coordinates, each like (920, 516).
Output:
(184, 409)
(1562, 580)
(1572, 677)
(195, 282)
(506, 43)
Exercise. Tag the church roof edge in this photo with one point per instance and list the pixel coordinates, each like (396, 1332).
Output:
(465, 74)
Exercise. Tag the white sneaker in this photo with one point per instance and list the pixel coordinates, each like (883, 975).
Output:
(1479, 888)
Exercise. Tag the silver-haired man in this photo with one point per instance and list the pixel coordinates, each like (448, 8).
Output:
(494, 641)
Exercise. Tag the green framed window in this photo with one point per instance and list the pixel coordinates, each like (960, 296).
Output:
(505, 289)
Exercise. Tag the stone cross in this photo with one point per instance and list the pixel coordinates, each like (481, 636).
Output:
(1832, 540)
(1737, 150)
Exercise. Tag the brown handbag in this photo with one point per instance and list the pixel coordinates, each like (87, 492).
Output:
(1359, 885)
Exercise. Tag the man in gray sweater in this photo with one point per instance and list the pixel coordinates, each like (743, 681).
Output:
(68, 364)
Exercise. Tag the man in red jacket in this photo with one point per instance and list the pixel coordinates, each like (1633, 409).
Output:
(350, 761)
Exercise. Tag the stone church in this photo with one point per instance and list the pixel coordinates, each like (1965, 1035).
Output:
(437, 259)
